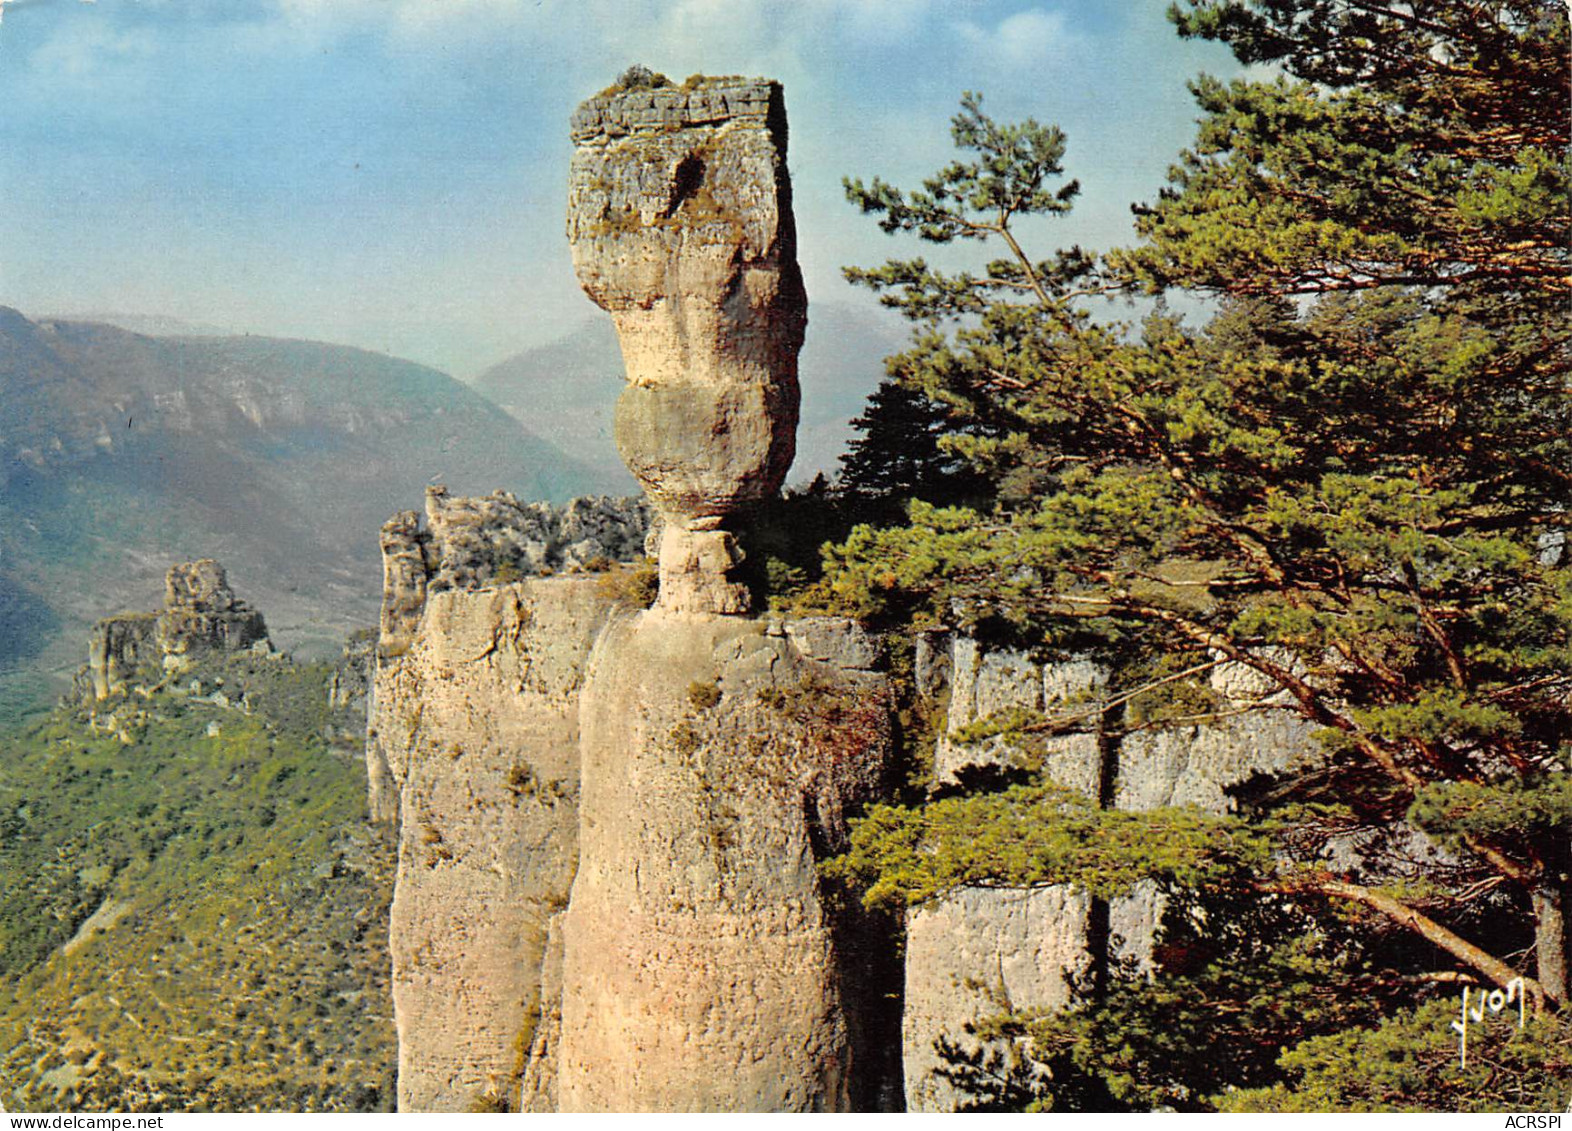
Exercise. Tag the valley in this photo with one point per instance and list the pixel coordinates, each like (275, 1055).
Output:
(121, 454)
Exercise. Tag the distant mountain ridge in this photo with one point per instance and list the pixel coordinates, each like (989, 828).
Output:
(122, 453)
(153, 325)
(565, 391)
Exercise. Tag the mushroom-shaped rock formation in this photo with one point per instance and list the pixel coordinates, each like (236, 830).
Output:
(679, 215)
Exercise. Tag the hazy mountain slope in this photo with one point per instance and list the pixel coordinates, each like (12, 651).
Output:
(565, 391)
(154, 325)
(120, 454)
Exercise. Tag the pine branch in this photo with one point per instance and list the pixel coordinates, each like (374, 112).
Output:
(1399, 912)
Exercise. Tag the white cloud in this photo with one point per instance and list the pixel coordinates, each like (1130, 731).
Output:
(1025, 40)
(91, 55)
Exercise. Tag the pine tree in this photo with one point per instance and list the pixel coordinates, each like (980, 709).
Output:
(1354, 480)
(899, 454)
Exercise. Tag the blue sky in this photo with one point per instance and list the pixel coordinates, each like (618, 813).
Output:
(392, 173)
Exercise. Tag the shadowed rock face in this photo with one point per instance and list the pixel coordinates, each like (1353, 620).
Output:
(679, 215)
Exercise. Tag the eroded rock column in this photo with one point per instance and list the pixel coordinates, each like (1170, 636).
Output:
(704, 966)
(679, 215)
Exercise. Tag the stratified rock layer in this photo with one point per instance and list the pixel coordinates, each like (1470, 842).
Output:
(981, 951)
(679, 216)
(704, 969)
(118, 648)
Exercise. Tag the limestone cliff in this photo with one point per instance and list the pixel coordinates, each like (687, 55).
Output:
(982, 951)
(479, 724)
(202, 613)
(704, 966)
(684, 767)
(466, 545)
(118, 649)
(472, 749)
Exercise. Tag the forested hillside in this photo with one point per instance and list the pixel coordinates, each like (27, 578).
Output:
(193, 907)
(1350, 480)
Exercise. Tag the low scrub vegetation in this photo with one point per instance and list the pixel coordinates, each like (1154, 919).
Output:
(195, 920)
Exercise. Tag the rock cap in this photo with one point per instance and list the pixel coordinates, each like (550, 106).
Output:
(707, 102)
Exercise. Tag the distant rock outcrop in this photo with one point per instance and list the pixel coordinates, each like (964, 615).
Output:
(118, 648)
(705, 967)
(349, 684)
(971, 951)
(201, 615)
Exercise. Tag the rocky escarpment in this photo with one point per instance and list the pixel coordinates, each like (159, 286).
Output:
(201, 615)
(706, 764)
(472, 750)
(479, 724)
(468, 543)
(980, 951)
(120, 453)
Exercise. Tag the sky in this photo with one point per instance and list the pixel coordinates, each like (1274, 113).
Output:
(392, 174)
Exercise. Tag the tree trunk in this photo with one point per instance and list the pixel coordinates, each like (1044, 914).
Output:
(1460, 948)
(1551, 939)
